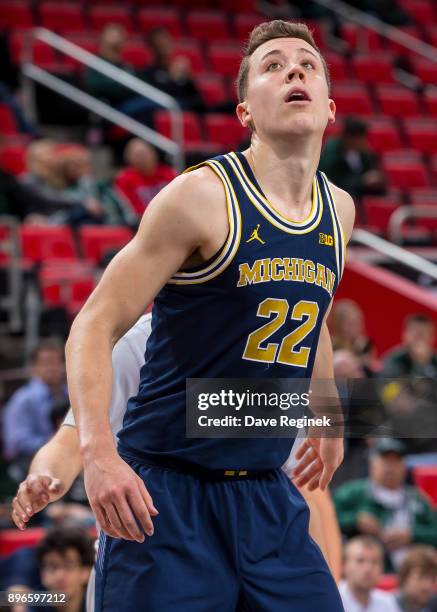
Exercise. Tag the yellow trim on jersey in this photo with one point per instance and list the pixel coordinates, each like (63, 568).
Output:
(266, 212)
(227, 253)
(267, 204)
(339, 239)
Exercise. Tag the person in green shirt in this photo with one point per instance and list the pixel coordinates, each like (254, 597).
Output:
(384, 506)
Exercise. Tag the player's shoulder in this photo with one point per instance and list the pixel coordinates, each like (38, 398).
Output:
(191, 195)
(345, 206)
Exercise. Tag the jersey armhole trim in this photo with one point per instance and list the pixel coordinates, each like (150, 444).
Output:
(339, 237)
(227, 252)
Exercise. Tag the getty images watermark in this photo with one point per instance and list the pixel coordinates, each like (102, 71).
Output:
(279, 408)
(253, 408)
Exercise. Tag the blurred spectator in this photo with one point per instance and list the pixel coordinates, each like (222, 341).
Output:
(363, 567)
(111, 42)
(417, 356)
(384, 506)
(143, 177)
(27, 415)
(349, 162)
(172, 74)
(43, 167)
(417, 580)
(101, 204)
(65, 559)
(349, 333)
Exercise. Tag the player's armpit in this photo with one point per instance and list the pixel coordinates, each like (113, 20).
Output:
(345, 209)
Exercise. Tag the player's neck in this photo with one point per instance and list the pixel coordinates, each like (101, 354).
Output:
(285, 175)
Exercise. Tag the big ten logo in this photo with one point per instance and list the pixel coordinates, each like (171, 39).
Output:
(326, 239)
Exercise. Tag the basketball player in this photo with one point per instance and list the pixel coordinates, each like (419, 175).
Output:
(58, 463)
(224, 307)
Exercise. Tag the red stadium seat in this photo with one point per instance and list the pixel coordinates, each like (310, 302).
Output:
(425, 478)
(421, 11)
(425, 70)
(378, 212)
(244, 24)
(191, 126)
(431, 102)
(397, 101)
(169, 18)
(423, 197)
(225, 59)
(61, 16)
(13, 157)
(360, 38)
(383, 134)
(337, 65)
(97, 241)
(42, 54)
(100, 16)
(405, 170)
(388, 582)
(225, 130)
(243, 6)
(212, 88)
(15, 14)
(136, 54)
(13, 539)
(208, 25)
(374, 68)
(352, 98)
(421, 134)
(67, 286)
(8, 124)
(44, 242)
(191, 50)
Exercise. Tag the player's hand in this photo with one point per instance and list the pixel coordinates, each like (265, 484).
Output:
(118, 497)
(318, 459)
(33, 495)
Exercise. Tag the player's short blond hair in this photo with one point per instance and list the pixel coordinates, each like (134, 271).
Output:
(270, 30)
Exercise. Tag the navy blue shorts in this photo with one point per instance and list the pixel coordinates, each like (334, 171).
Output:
(218, 546)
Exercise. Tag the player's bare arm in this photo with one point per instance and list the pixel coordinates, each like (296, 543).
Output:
(52, 472)
(184, 224)
(320, 458)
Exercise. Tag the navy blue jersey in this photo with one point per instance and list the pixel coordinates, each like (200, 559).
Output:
(254, 310)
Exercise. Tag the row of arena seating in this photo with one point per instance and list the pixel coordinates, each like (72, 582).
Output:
(81, 16)
(211, 53)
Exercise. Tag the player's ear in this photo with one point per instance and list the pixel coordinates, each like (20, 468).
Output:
(332, 110)
(243, 114)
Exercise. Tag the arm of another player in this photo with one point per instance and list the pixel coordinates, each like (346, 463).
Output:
(318, 458)
(175, 225)
(52, 472)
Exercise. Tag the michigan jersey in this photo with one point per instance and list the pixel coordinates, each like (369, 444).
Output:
(254, 310)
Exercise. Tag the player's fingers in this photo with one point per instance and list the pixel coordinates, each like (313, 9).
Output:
(117, 521)
(17, 520)
(24, 498)
(147, 497)
(103, 521)
(127, 512)
(325, 478)
(37, 483)
(302, 449)
(139, 507)
(303, 463)
(20, 511)
(314, 483)
(313, 470)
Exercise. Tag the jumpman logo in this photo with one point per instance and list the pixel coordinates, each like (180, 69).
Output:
(255, 236)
